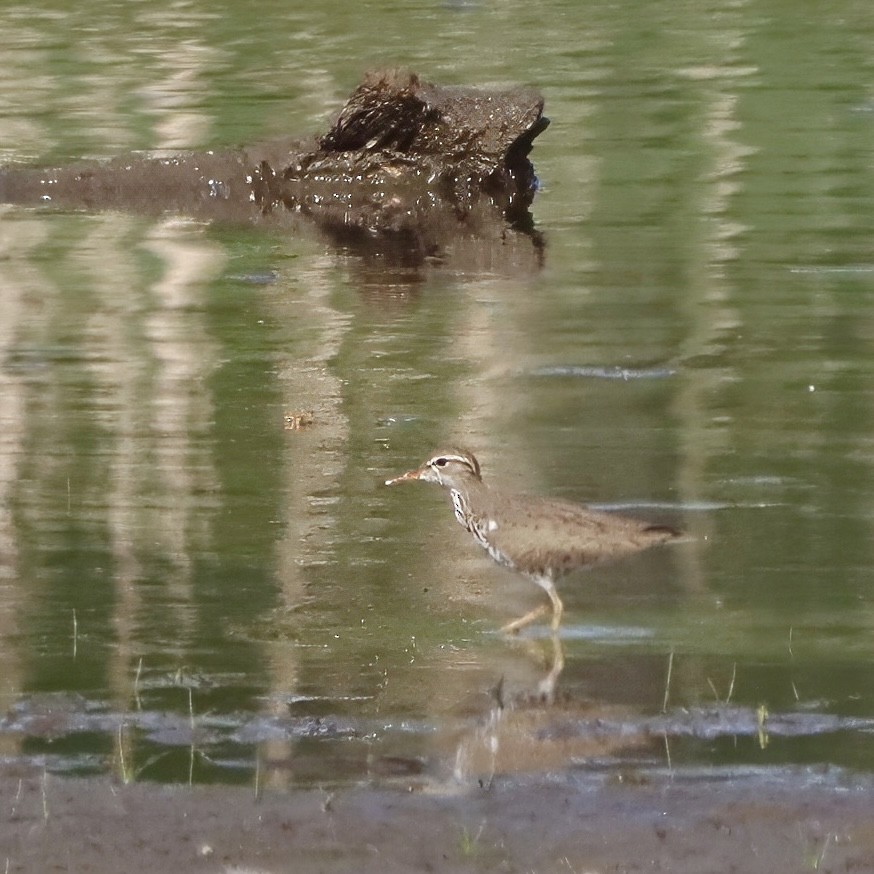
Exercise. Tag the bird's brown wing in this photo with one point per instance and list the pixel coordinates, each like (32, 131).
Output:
(549, 537)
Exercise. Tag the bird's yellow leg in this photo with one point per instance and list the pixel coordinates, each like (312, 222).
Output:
(557, 608)
(548, 586)
(527, 619)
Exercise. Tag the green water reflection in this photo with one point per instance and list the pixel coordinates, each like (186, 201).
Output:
(192, 590)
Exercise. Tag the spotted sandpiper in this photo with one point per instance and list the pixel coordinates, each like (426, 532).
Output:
(541, 538)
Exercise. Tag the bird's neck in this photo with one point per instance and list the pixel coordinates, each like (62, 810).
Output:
(468, 498)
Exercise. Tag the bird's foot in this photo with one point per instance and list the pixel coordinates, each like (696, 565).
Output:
(517, 624)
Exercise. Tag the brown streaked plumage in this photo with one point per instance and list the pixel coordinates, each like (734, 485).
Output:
(541, 538)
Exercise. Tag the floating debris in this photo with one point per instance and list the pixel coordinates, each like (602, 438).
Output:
(397, 419)
(299, 420)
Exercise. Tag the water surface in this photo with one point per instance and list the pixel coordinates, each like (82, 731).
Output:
(190, 590)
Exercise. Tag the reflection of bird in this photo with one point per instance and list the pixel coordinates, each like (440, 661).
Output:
(541, 538)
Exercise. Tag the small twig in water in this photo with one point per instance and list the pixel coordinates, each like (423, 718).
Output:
(792, 659)
(713, 689)
(731, 684)
(137, 684)
(45, 795)
(730, 687)
(17, 797)
(668, 682)
(825, 844)
(191, 718)
(125, 777)
(761, 731)
(668, 754)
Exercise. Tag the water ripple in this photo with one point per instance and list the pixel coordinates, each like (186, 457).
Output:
(604, 372)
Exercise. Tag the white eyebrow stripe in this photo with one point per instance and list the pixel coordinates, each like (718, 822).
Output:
(459, 458)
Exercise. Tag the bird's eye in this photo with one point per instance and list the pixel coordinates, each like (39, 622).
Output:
(441, 462)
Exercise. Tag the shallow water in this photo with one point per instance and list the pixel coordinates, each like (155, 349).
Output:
(192, 591)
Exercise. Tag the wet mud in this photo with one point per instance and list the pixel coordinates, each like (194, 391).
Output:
(777, 821)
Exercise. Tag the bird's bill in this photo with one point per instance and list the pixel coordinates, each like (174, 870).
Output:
(404, 477)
